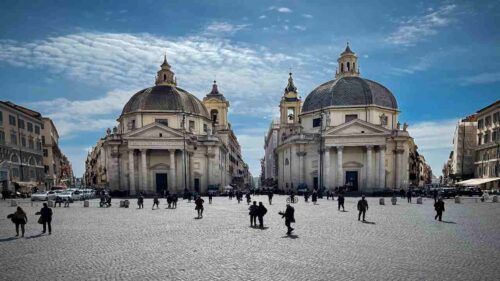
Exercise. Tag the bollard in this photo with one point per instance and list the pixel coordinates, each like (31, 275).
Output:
(126, 203)
(394, 200)
(419, 200)
(494, 199)
(50, 203)
(86, 204)
(381, 201)
(13, 203)
(457, 199)
(122, 203)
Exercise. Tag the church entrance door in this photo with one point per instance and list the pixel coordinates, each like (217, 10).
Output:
(351, 180)
(161, 183)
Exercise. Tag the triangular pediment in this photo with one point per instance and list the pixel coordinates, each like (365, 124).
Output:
(357, 127)
(153, 131)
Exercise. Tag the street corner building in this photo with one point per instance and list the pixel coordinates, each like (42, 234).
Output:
(345, 134)
(168, 139)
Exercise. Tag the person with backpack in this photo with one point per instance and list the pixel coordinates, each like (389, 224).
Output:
(19, 218)
(253, 214)
(261, 212)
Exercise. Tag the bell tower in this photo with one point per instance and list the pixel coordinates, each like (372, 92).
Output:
(165, 76)
(217, 107)
(290, 105)
(347, 64)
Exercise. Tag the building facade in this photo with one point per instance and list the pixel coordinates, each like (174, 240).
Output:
(167, 139)
(487, 153)
(270, 165)
(345, 134)
(20, 147)
(464, 145)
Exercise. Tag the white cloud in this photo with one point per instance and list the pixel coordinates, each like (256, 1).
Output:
(223, 28)
(307, 16)
(482, 78)
(418, 28)
(300, 27)
(280, 9)
(262, 17)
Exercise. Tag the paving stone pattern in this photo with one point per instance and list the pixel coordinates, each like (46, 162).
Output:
(402, 242)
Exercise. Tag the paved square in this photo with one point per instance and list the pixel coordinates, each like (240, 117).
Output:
(403, 243)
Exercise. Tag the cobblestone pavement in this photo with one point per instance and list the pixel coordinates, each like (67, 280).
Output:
(402, 242)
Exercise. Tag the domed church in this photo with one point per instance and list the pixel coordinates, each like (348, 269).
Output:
(346, 133)
(168, 139)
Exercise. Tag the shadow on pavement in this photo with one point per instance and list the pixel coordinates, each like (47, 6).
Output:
(7, 239)
(291, 236)
(34, 236)
(452, 222)
(368, 222)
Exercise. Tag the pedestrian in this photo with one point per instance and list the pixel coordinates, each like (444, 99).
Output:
(169, 201)
(156, 202)
(408, 195)
(210, 198)
(19, 218)
(249, 199)
(175, 198)
(199, 206)
(261, 212)
(4, 194)
(306, 196)
(270, 196)
(45, 218)
(439, 207)
(67, 201)
(435, 194)
(362, 207)
(59, 201)
(402, 193)
(314, 196)
(253, 214)
(341, 200)
(289, 218)
(189, 194)
(140, 201)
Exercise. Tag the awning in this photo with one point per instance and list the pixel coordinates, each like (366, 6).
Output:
(474, 182)
(228, 187)
(26, 183)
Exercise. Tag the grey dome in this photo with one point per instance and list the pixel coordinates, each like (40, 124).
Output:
(165, 98)
(347, 91)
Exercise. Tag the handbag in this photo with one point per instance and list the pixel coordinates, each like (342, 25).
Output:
(40, 220)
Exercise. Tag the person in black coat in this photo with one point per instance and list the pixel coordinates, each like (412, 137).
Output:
(362, 207)
(140, 201)
(408, 195)
(46, 217)
(261, 212)
(289, 216)
(270, 196)
(210, 195)
(314, 196)
(439, 207)
(341, 201)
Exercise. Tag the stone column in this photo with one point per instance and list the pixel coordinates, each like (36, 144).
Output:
(369, 182)
(326, 168)
(173, 183)
(381, 167)
(209, 172)
(340, 175)
(397, 155)
(144, 169)
(131, 174)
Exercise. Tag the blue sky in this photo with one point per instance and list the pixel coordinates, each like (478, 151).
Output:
(79, 62)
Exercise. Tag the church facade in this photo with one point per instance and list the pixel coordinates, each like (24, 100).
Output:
(345, 134)
(167, 139)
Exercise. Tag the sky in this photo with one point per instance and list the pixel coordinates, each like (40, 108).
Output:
(78, 62)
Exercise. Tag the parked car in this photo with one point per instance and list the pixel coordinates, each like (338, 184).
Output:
(53, 194)
(39, 196)
(447, 192)
(69, 195)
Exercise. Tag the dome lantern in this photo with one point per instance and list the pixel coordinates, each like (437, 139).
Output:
(165, 76)
(347, 64)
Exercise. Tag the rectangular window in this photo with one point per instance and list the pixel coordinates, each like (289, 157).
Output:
(43, 140)
(31, 143)
(316, 122)
(46, 169)
(496, 117)
(205, 128)
(23, 141)
(1, 117)
(350, 117)
(290, 115)
(479, 139)
(12, 120)
(162, 121)
(191, 125)
(15, 172)
(21, 124)
(486, 138)
(13, 138)
(30, 127)
(132, 124)
(2, 137)
(39, 145)
(45, 153)
(37, 130)
(480, 123)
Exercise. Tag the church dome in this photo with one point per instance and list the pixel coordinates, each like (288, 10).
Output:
(349, 91)
(165, 98)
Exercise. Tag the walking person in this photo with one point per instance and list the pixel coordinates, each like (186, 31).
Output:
(270, 196)
(408, 195)
(435, 194)
(439, 207)
(19, 218)
(289, 218)
(210, 198)
(156, 202)
(249, 199)
(59, 201)
(175, 198)
(362, 208)
(46, 217)
(341, 201)
(169, 201)
(261, 212)
(306, 196)
(140, 201)
(199, 206)
(314, 196)
(253, 214)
